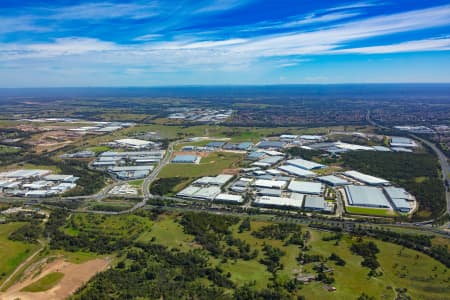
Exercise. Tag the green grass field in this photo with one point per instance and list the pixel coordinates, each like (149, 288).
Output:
(166, 231)
(214, 164)
(12, 253)
(120, 226)
(424, 277)
(45, 283)
(379, 212)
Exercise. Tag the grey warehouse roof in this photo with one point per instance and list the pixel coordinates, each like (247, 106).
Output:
(367, 196)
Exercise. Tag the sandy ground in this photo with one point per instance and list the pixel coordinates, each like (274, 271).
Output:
(75, 275)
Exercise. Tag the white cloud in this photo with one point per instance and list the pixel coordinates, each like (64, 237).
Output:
(221, 5)
(410, 46)
(234, 53)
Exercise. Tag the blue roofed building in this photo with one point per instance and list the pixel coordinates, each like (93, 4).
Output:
(186, 159)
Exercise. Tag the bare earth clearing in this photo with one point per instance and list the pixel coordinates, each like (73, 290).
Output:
(75, 275)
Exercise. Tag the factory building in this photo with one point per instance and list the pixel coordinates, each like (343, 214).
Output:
(317, 203)
(367, 179)
(403, 142)
(333, 180)
(366, 196)
(186, 159)
(219, 180)
(270, 184)
(270, 145)
(294, 202)
(229, 198)
(296, 171)
(305, 187)
(400, 198)
(268, 161)
(304, 164)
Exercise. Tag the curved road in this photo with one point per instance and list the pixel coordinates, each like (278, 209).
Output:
(442, 158)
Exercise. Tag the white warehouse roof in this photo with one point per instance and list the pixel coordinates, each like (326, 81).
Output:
(229, 198)
(264, 183)
(368, 179)
(304, 164)
(333, 180)
(305, 187)
(296, 171)
(133, 142)
(295, 202)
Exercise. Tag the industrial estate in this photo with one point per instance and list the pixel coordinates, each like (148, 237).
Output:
(185, 202)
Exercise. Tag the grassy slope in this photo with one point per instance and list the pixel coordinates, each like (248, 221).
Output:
(12, 253)
(351, 279)
(45, 283)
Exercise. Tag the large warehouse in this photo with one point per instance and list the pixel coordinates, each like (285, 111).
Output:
(398, 141)
(366, 196)
(296, 171)
(186, 159)
(400, 198)
(367, 179)
(305, 187)
(333, 180)
(295, 201)
(305, 164)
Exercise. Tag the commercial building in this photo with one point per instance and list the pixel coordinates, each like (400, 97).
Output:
(269, 192)
(215, 145)
(133, 143)
(229, 198)
(366, 196)
(295, 202)
(270, 145)
(244, 146)
(296, 171)
(400, 198)
(403, 142)
(219, 180)
(255, 155)
(304, 164)
(268, 161)
(60, 177)
(317, 203)
(200, 193)
(305, 187)
(333, 180)
(270, 184)
(367, 179)
(186, 159)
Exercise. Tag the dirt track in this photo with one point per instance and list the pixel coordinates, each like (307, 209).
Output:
(75, 275)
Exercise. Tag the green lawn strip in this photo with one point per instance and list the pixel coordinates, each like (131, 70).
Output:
(12, 253)
(382, 212)
(45, 283)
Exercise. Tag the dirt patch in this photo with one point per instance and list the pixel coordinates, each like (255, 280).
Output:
(231, 171)
(75, 275)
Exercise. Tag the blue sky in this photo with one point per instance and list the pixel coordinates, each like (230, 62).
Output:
(45, 43)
